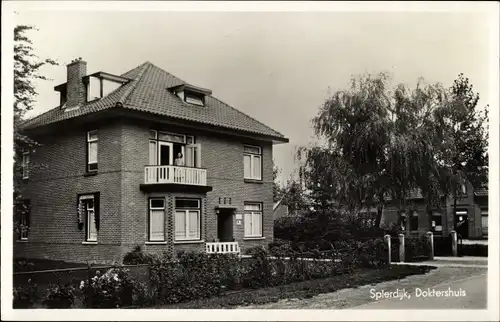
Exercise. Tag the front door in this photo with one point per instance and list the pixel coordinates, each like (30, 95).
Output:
(225, 226)
(166, 154)
(462, 225)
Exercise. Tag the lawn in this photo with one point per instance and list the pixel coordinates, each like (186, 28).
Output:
(305, 289)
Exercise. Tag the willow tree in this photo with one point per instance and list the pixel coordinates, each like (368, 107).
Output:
(377, 144)
(349, 169)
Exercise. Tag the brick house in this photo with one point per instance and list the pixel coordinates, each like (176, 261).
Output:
(471, 211)
(145, 159)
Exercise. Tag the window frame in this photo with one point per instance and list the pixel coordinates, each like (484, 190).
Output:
(252, 214)
(201, 97)
(414, 216)
(24, 220)
(150, 210)
(25, 161)
(402, 220)
(90, 141)
(484, 213)
(187, 211)
(155, 140)
(90, 196)
(252, 156)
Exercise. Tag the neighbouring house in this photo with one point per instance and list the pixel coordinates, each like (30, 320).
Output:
(280, 209)
(471, 215)
(144, 158)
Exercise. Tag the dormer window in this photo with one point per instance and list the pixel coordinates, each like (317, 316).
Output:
(193, 98)
(102, 84)
(191, 94)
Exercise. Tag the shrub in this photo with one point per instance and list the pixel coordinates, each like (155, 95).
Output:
(141, 295)
(23, 265)
(110, 290)
(372, 253)
(416, 248)
(194, 275)
(25, 296)
(137, 256)
(259, 273)
(60, 297)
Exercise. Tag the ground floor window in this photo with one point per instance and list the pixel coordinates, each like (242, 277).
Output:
(437, 222)
(89, 210)
(414, 221)
(156, 219)
(24, 211)
(402, 221)
(187, 219)
(253, 219)
(484, 222)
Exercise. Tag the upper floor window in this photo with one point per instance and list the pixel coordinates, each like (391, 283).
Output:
(166, 148)
(25, 165)
(92, 143)
(253, 219)
(252, 162)
(187, 219)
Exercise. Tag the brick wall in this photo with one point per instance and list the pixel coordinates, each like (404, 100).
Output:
(122, 154)
(466, 202)
(223, 159)
(58, 176)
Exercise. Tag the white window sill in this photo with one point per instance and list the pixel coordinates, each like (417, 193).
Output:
(189, 241)
(89, 243)
(22, 241)
(254, 238)
(156, 243)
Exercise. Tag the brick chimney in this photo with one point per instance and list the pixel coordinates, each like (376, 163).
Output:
(75, 88)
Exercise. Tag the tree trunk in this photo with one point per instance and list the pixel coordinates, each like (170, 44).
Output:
(454, 216)
(378, 219)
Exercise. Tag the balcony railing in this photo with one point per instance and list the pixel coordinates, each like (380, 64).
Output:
(155, 174)
(223, 248)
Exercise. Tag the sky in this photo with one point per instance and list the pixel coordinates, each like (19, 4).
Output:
(278, 67)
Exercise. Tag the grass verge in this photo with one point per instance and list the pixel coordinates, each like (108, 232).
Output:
(305, 289)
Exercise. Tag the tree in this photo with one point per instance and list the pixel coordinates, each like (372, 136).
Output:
(277, 190)
(27, 67)
(347, 171)
(465, 155)
(380, 144)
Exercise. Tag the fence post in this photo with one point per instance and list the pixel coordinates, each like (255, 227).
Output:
(401, 248)
(388, 242)
(430, 239)
(454, 244)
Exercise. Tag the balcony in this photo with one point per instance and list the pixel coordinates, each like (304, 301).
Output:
(175, 178)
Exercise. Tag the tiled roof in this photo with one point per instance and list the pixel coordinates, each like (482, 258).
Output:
(147, 92)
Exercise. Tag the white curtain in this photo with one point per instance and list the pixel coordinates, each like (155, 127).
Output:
(157, 225)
